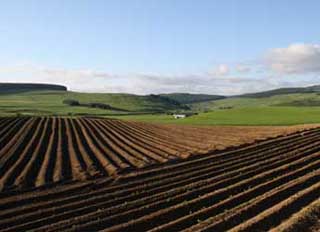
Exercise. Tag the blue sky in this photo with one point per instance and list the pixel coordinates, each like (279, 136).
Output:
(209, 46)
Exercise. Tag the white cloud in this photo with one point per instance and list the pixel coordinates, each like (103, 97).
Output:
(97, 81)
(227, 79)
(76, 73)
(294, 59)
(241, 68)
(220, 70)
(75, 79)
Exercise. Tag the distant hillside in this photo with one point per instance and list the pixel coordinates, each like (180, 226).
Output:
(297, 97)
(188, 98)
(281, 91)
(45, 99)
(293, 99)
(52, 103)
(23, 87)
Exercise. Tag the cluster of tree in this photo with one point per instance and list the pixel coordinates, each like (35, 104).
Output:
(99, 105)
(170, 101)
(72, 102)
(188, 98)
(225, 107)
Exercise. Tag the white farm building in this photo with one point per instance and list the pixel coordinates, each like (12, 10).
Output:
(177, 116)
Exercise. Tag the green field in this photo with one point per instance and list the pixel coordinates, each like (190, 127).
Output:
(299, 99)
(241, 116)
(280, 109)
(51, 103)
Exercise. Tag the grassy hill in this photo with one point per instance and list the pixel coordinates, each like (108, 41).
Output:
(283, 106)
(37, 100)
(303, 96)
(25, 87)
(299, 97)
(282, 91)
(297, 100)
(267, 108)
(187, 98)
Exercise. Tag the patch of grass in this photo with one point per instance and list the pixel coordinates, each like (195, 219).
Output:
(241, 116)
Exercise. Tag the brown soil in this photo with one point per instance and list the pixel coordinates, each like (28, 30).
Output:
(61, 174)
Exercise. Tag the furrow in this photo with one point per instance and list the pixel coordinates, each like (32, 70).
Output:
(184, 179)
(137, 211)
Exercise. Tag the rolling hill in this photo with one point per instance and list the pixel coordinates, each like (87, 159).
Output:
(296, 97)
(282, 91)
(296, 100)
(188, 98)
(42, 99)
(25, 87)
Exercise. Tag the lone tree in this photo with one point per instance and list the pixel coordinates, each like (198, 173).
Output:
(99, 105)
(71, 102)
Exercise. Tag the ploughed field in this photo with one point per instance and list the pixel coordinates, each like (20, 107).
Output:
(37, 151)
(62, 174)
